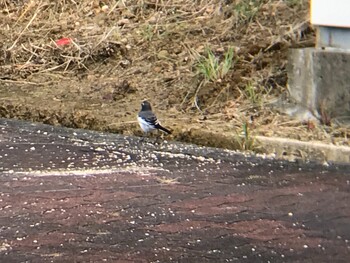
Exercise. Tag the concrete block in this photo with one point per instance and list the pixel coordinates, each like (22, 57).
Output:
(333, 37)
(319, 80)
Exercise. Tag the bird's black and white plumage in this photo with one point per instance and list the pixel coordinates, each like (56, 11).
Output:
(148, 120)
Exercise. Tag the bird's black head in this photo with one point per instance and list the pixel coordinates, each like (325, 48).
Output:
(145, 105)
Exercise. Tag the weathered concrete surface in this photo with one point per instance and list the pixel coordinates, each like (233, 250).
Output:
(321, 152)
(329, 36)
(318, 80)
(78, 196)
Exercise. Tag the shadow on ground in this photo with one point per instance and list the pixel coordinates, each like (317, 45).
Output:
(80, 196)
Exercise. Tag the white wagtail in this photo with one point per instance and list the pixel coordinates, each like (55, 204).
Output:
(148, 120)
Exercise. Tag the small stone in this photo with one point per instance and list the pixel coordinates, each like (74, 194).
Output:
(105, 8)
(162, 54)
(123, 22)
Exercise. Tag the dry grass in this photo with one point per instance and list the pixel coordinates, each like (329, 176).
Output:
(100, 30)
(33, 49)
(163, 40)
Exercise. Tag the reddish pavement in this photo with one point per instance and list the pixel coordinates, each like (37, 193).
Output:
(79, 196)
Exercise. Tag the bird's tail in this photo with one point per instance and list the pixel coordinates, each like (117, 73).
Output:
(160, 127)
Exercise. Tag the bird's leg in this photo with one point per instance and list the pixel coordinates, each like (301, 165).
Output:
(159, 137)
(143, 137)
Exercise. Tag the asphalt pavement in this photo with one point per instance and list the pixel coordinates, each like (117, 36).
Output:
(81, 196)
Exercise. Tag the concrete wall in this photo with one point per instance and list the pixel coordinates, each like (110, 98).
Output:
(319, 80)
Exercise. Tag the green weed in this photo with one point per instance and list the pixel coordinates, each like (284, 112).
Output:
(294, 3)
(227, 63)
(244, 139)
(253, 94)
(147, 32)
(211, 68)
(247, 9)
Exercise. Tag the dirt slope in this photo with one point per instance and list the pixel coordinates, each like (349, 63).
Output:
(88, 64)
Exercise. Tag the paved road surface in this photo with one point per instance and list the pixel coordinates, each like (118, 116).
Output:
(78, 196)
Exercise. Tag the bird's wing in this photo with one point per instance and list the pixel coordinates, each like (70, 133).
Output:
(149, 117)
(153, 120)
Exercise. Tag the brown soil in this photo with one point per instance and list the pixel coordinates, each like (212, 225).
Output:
(124, 51)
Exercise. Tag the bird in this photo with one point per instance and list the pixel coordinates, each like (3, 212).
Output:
(148, 120)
